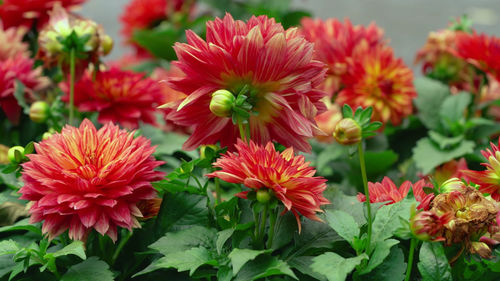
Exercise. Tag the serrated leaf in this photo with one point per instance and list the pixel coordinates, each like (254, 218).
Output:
(303, 264)
(222, 237)
(382, 250)
(185, 239)
(443, 141)
(427, 156)
(343, 223)
(335, 267)
(186, 260)
(453, 108)
(8, 247)
(76, 248)
(431, 94)
(91, 268)
(392, 269)
(264, 266)
(433, 264)
(387, 220)
(241, 256)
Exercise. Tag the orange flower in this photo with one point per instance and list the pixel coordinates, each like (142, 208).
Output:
(387, 191)
(289, 177)
(84, 179)
(277, 68)
(379, 80)
(489, 179)
(334, 44)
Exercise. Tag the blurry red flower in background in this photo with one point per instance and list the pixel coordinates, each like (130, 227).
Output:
(27, 12)
(380, 80)
(334, 44)
(18, 68)
(289, 177)
(327, 121)
(84, 179)
(481, 50)
(12, 43)
(118, 96)
(277, 67)
(489, 179)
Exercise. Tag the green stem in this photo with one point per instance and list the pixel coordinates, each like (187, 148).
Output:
(272, 225)
(71, 85)
(413, 244)
(123, 241)
(241, 128)
(367, 193)
(218, 191)
(262, 228)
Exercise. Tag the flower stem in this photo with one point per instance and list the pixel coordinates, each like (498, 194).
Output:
(272, 224)
(123, 241)
(413, 244)
(262, 228)
(71, 85)
(367, 193)
(241, 128)
(218, 191)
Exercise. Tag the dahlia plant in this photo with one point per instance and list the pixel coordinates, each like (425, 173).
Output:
(244, 140)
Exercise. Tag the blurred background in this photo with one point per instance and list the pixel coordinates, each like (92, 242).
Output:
(406, 22)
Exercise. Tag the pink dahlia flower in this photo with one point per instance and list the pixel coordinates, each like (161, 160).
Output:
(84, 179)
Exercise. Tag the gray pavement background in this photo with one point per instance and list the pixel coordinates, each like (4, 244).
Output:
(406, 22)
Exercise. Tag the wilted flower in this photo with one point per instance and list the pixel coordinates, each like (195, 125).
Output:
(4, 151)
(12, 42)
(272, 67)
(84, 179)
(118, 96)
(481, 50)
(334, 44)
(388, 192)
(283, 175)
(145, 14)
(66, 32)
(472, 215)
(149, 207)
(489, 179)
(26, 12)
(18, 68)
(380, 80)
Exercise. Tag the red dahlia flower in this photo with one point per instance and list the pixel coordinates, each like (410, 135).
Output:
(489, 179)
(380, 80)
(334, 43)
(277, 67)
(12, 43)
(481, 50)
(18, 68)
(118, 96)
(387, 191)
(27, 12)
(289, 177)
(84, 179)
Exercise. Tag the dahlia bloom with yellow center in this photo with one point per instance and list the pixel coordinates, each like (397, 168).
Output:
(481, 50)
(83, 179)
(289, 177)
(334, 44)
(380, 80)
(274, 64)
(118, 96)
(489, 179)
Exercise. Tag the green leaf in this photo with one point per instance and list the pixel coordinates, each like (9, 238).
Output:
(263, 266)
(241, 256)
(431, 94)
(332, 152)
(76, 248)
(23, 224)
(6, 264)
(186, 260)
(185, 239)
(92, 268)
(19, 92)
(379, 161)
(392, 269)
(347, 111)
(445, 142)
(387, 220)
(382, 250)
(335, 267)
(453, 108)
(8, 247)
(344, 224)
(222, 237)
(427, 156)
(303, 264)
(158, 41)
(293, 18)
(433, 264)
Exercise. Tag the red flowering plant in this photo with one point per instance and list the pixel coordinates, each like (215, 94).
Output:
(243, 140)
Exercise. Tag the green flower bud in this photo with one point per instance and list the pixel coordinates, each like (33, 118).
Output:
(347, 132)
(11, 154)
(222, 103)
(39, 112)
(263, 195)
(106, 44)
(451, 185)
(203, 150)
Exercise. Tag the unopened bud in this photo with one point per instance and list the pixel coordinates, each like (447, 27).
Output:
(39, 112)
(11, 154)
(263, 195)
(347, 132)
(106, 44)
(48, 134)
(428, 226)
(452, 185)
(203, 150)
(481, 249)
(222, 103)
